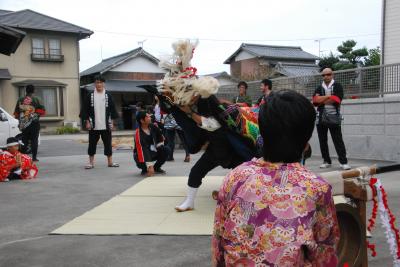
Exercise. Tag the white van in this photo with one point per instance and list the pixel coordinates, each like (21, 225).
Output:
(8, 127)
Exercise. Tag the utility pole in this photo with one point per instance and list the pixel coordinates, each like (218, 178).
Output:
(319, 46)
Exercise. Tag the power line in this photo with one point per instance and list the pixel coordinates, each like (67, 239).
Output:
(238, 40)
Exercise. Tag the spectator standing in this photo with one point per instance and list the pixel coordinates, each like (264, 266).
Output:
(242, 99)
(266, 88)
(328, 97)
(99, 114)
(28, 110)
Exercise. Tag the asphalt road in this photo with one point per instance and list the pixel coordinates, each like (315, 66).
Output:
(30, 210)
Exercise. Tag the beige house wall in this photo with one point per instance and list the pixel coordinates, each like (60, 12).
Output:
(21, 67)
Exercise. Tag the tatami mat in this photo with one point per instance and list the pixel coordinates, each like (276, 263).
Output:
(148, 208)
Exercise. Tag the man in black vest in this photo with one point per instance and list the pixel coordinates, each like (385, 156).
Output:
(266, 88)
(328, 97)
(98, 115)
(149, 153)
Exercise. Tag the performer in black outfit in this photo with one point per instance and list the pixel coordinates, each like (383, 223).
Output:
(192, 102)
(202, 123)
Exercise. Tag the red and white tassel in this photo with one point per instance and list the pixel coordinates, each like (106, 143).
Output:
(388, 223)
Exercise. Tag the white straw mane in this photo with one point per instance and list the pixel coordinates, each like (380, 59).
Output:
(181, 80)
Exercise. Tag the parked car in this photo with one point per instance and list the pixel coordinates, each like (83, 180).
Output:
(8, 127)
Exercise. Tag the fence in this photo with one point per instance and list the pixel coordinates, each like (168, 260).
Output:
(368, 82)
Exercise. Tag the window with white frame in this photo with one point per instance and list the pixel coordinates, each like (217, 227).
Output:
(54, 48)
(51, 98)
(38, 47)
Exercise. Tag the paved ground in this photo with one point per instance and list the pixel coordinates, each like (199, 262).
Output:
(30, 210)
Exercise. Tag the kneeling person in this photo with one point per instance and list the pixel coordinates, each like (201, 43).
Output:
(149, 146)
(15, 165)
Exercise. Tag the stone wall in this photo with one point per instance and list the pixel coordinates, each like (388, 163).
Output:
(371, 129)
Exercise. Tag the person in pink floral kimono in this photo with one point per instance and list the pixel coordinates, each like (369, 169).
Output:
(273, 211)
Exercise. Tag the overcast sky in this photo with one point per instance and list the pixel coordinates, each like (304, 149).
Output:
(221, 26)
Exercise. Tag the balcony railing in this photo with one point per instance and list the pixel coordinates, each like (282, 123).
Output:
(375, 81)
(47, 57)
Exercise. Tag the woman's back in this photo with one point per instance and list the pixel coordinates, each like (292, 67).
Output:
(276, 214)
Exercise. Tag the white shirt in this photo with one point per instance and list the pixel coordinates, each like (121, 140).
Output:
(330, 108)
(210, 124)
(100, 110)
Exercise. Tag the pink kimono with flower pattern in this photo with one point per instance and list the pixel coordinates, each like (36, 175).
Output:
(274, 215)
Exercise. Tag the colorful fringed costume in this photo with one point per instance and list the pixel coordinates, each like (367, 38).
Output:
(243, 120)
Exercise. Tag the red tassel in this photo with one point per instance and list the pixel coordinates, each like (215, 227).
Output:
(193, 71)
(371, 221)
(372, 248)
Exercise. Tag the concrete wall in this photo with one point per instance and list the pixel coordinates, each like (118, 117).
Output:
(21, 68)
(371, 129)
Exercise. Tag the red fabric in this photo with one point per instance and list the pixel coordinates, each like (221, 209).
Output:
(138, 146)
(314, 99)
(41, 112)
(29, 169)
(7, 161)
(335, 99)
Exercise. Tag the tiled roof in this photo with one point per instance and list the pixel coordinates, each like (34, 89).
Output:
(29, 19)
(2, 11)
(273, 52)
(112, 62)
(295, 69)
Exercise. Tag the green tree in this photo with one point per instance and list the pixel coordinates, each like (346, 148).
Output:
(350, 58)
(374, 57)
(328, 61)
